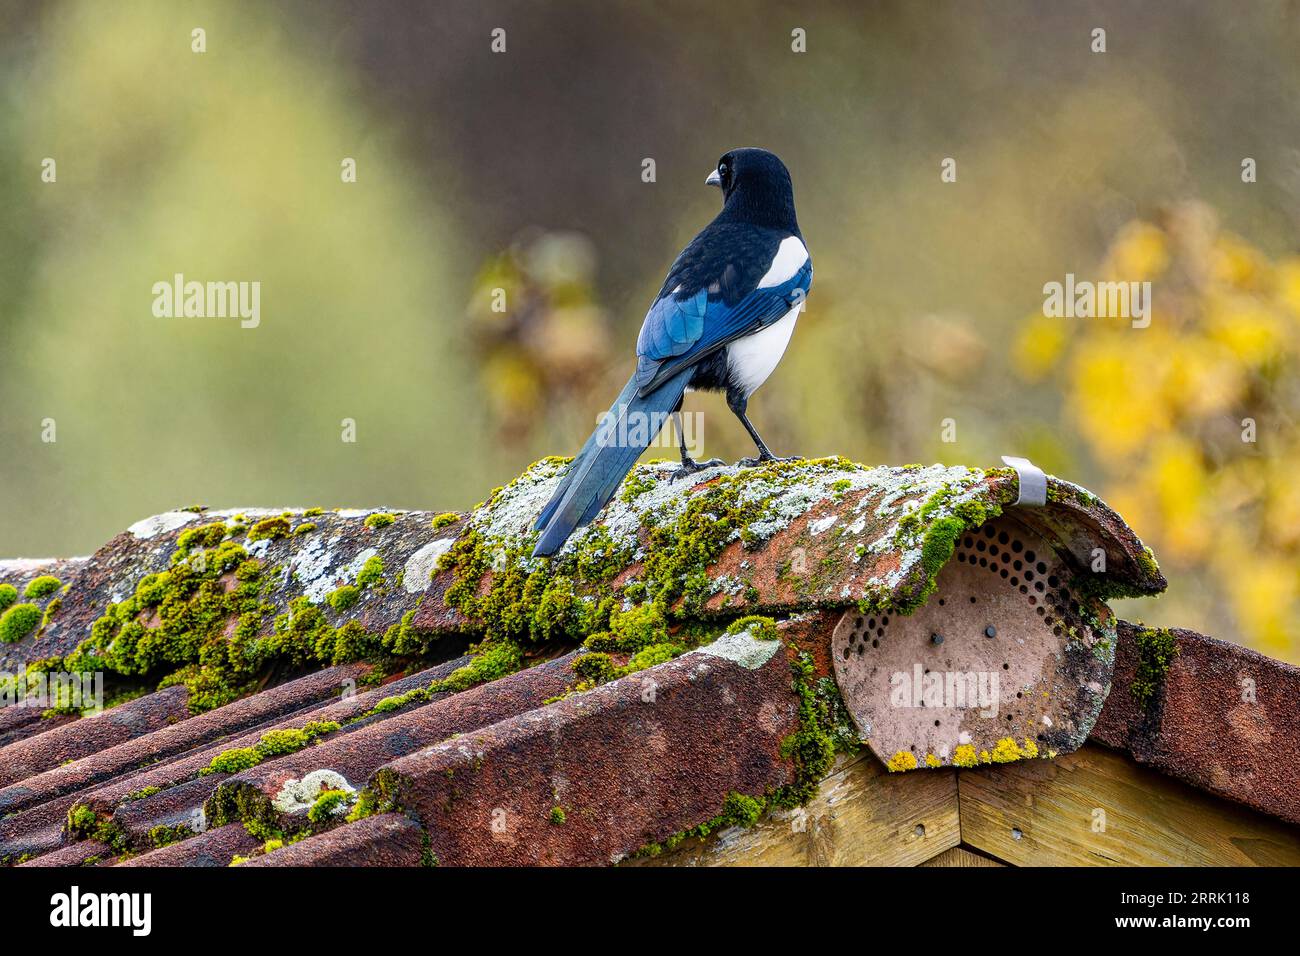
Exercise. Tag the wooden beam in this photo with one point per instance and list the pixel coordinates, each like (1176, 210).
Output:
(862, 816)
(1096, 807)
(961, 857)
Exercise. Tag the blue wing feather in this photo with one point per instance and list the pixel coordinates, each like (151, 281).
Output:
(680, 332)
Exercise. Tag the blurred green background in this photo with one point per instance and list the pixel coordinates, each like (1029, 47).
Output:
(522, 171)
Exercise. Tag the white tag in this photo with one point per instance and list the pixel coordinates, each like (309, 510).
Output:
(1033, 483)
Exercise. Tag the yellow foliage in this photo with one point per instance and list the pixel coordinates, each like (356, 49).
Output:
(1139, 253)
(1192, 419)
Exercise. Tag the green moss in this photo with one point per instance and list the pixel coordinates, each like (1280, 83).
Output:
(596, 668)
(558, 816)
(935, 527)
(404, 639)
(8, 594)
(142, 793)
(19, 621)
(600, 668)
(367, 805)
(307, 527)
(191, 605)
(372, 572)
(42, 586)
(760, 627)
(444, 519)
(82, 820)
(233, 761)
(631, 630)
(164, 835)
(738, 810)
(1156, 650)
(274, 743)
(204, 536)
(379, 520)
(327, 805)
(344, 598)
(241, 802)
(51, 609)
(270, 529)
(637, 483)
(812, 747)
(85, 824)
(398, 701)
(490, 662)
(528, 600)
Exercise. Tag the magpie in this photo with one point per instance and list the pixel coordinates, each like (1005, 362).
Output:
(721, 322)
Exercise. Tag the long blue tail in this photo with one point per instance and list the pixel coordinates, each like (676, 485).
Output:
(609, 454)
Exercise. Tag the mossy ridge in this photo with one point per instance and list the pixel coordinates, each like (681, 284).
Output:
(177, 624)
(546, 601)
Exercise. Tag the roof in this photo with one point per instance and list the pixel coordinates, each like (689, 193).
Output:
(397, 688)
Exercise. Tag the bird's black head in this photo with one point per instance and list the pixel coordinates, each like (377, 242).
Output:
(755, 188)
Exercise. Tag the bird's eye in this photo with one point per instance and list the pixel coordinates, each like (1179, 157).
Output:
(722, 170)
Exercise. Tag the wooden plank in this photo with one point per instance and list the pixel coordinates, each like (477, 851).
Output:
(961, 857)
(862, 816)
(1096, 807)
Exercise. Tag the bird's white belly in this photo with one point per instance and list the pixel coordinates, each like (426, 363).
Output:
(752, 359)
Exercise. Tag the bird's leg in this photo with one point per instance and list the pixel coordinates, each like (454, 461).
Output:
(737, 402)
(689, 465)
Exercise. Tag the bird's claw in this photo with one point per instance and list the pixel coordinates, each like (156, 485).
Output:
(763, 460)
(690, 467)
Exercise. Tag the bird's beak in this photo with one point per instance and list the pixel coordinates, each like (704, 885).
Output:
(714, 179)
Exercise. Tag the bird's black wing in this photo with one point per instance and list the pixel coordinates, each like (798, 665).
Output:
(712, 298)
